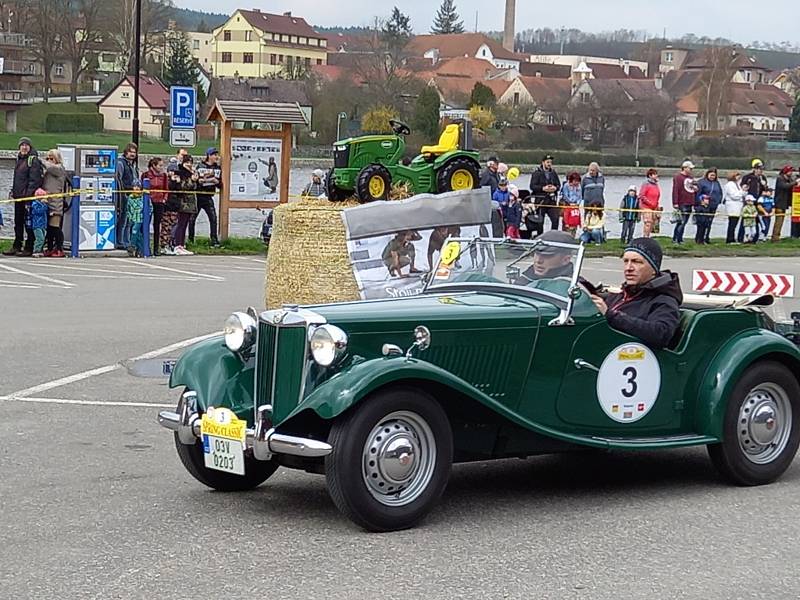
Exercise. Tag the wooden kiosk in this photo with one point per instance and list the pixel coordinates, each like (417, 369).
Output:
(240, 189)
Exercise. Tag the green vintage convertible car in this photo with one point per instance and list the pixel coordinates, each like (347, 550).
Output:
(490, 361)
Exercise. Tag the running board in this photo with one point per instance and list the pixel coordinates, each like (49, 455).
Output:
(652, 443)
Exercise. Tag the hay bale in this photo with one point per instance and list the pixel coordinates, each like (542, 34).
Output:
(308, 261)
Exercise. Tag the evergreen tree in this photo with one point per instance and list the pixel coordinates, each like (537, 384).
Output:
(397, 30)
(202, 26)
(180, 67)
(447, 20)
(482, 96)
(426, 113)
(794, 123)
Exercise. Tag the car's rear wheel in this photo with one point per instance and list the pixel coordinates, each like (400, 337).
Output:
(459, 174)
(761, 430)
(391, 459)
(334, 193)
(374, 183)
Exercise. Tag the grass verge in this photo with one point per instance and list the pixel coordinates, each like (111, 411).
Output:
(231, 246)
(45, 141)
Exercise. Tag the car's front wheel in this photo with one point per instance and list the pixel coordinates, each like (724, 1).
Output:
(391, 459)
(761, 430)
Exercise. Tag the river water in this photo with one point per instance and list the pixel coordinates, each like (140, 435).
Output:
(247, 222)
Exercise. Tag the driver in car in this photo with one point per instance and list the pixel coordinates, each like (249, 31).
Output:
(648, 305)
(550, 262)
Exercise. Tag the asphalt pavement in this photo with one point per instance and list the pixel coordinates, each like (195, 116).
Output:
(95, 503)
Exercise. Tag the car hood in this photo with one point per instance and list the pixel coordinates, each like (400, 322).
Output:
(444, 311)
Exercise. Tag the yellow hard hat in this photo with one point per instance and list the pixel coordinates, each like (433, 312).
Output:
(757, 162)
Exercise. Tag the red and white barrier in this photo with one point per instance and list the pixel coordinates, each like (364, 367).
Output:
(733, 282)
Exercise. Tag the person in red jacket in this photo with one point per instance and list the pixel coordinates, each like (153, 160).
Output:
(157, 176)
(684, 192)
(650, 202)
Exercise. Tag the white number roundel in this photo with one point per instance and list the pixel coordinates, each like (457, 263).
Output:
(628, 382)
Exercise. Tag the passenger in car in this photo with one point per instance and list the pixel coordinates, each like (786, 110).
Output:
(648, 306)
(550, 262)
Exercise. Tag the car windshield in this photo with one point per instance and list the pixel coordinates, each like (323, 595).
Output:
(547, 267)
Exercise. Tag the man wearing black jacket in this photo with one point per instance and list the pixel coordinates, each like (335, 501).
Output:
(544, 189)
(783, 200)
(210, 182)
(28, 172)
(648, 306)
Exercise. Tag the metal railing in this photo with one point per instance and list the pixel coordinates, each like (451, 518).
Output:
(20, 67)
(15, 97)
(15, 39)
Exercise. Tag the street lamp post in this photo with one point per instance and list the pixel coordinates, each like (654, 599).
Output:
(339, 117)
(136, 67)
(639, 130)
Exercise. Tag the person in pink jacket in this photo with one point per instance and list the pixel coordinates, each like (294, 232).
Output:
(650, 201)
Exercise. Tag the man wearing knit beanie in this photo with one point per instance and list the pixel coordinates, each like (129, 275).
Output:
(27, 179)
(648, 305)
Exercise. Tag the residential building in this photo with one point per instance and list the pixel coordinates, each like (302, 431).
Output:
(788, 80)
(17, 72)
(456, 45)
(257, 44)
(602, 67)
(117, 106)
(672, 58)
(201, 45)
(546, 97)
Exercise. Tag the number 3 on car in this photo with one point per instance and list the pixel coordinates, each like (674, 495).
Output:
(383, 397)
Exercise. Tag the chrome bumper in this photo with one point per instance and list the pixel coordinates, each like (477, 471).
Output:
(263, 439)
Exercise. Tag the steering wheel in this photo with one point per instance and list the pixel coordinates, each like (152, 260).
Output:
(399, 127)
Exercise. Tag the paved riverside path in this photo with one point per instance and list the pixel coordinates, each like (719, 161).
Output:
(96, 503)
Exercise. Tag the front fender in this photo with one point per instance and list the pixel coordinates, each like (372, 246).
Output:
(350, 386)
(448, 156)
(727, 367)
(220, 377)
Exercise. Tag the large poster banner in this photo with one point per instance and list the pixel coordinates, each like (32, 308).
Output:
(255, 169)
(394, 245)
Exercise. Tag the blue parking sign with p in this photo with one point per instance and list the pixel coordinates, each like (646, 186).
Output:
(182, 107)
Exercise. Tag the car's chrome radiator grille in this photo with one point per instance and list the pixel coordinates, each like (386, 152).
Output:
(485, 367)
(280, 358)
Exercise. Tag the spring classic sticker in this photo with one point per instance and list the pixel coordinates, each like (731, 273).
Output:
(628, 382)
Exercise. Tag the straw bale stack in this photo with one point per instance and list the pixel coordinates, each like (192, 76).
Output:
(308, 261)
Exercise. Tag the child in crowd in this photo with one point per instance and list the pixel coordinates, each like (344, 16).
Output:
(749, 217)
(135, 219)
(629, 214)
(500, 203)
(594, 224)
(704, 216)
(513, 213)
(38, 221)
(571, 197)
(766, 210)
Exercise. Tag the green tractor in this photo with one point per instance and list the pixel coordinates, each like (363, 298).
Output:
(370, 164)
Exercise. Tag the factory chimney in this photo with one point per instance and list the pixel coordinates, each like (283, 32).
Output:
(508, 31)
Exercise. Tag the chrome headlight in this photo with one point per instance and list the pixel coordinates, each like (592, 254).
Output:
(327, 344)
(240, 332)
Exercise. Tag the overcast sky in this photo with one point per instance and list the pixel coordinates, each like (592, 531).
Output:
(739, 20)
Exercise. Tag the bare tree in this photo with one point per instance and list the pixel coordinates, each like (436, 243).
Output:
(714, 86)
(81, 26)
(120, 18)
(42, 22)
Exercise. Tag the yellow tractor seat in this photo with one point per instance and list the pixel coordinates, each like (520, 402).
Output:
(448, 142)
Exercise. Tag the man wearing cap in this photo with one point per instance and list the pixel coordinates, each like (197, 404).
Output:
(550, 262)
(315, 189)
(648, 305)
(756, 182)
(784, 183)
(684, 191)
(28, 172)
(209, 182)
(544, 189)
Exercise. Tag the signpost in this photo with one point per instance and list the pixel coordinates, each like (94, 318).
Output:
(182, 116)
(733, 282)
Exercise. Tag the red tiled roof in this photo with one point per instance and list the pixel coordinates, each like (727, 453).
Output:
(451, 87)
(452, 45)
(548, 92)
(151, 91)
(284, 24)
(545, 70)
(760, 100)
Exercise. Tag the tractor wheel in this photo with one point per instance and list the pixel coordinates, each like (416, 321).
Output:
(461, 173)
(334, 193)
(373, 183)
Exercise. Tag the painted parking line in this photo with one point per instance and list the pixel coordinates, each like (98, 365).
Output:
(163, 268)
(62, 381)
(60, 282)
(82, 402)
(109, 273)
(256, 260)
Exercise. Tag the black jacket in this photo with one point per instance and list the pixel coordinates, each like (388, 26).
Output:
(649, 312)
(783, 192)
(755, 184)
(541, 178)
(28, 174)
(490, 178)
